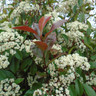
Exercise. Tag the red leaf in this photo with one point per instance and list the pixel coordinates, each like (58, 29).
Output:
(42, 23)
(50, 40)
(25, 28)
(55, 25)
(43, 46)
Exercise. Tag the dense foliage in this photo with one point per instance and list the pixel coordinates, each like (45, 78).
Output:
(46, 48)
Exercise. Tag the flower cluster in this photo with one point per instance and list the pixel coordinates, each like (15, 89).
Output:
(63, 73)
(3, 16)
(38, 60)
(91, 79)
(67, 6)
(10, 41)
(3, 61)
(23, 7)
(57, 84)
(40, 92)
(56, 49)
(73, 61)
(9, 88)
(6, 26)
(74, 35)
(76, 25)
(31, 80)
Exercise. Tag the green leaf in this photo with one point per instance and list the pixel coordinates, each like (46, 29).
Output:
(80, 2)
(23, 15)
(13, 21)
(29, 92)
(65, 37)
(74, 9)
(46, 56)
(41, 74)
(89, 24)
(89, 91)
(72, 90)
(33, 69)
(5, 74)
(14, 65)
(81, 17)
(25, 63)
(18, 55)
(89, 31)
(93, 57)
(10, 12)
(19, 80)
(78, 87)
(37, 86)
(64, 49)
(1, 30)
(93, 65)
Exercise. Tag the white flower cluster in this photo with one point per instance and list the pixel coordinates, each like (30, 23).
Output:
(9, 88)
(27, 46)
(38, 60)
(3, 16)
(6, 26)
(40, 92)
(91, 79)
(63, 73)
(3, 61)
(31, 80)
(56, 48)
(76, 25)
(10, 41)
(74, 35)
(74, 61)
(67, 5)
(61, 82)
(23, 7)
(55, 83)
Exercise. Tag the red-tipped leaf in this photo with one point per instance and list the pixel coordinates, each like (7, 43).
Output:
(55, 25)
(42, 45)
(42, 23)
(25, 28)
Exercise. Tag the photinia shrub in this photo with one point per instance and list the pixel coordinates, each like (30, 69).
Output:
(54, 57)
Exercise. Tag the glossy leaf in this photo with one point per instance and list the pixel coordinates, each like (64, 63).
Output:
(93, 57)
(42, 45)
(42, 23)
(14, 66)
(19, 55)
(72, 90)
(79, 87)
(89, 90)
(33, 69)
(93, 65)
(55, 25)
(81, 17)
(29, 92)
(19, 80)
(6, 74)
(25, 28)
(65, 37)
